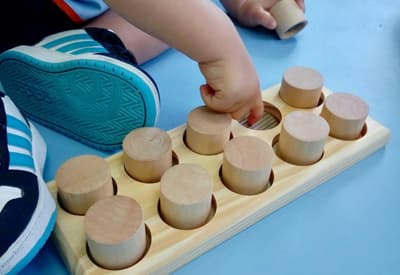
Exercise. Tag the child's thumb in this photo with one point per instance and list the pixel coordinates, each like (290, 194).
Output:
(208, 95)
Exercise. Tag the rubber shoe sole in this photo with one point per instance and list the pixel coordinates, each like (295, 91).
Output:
(92, 98)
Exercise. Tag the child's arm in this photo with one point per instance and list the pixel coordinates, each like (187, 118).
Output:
(202, 31)
(251, 13)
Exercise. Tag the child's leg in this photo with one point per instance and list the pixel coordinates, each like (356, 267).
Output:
(142, 44)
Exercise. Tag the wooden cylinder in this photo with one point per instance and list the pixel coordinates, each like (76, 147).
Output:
(115, 232)
(301, 87)
(186, 195)
(346, 115)
(289, 17)
(147, 153)
(207, 131)
(246, 166)
(302, 138)
(83, 180)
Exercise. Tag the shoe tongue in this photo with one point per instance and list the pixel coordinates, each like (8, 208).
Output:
(113, 44)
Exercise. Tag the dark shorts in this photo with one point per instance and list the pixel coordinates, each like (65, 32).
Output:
(28, 21)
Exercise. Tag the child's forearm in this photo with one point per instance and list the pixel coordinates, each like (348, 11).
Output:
(198, 28)
(232, 6)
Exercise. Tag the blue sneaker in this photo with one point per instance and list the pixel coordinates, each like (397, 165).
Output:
(83, 83)
(27, 209)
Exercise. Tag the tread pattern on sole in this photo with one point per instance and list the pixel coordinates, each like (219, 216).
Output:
(84, 99)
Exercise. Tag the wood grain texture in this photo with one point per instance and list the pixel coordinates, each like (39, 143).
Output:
(115, 232)
(186, 193)
(302, 138)
(82, 181)
(346, 114)
(246, 165)
(207, 131)
(147, 153)
(301, 87)
(170, 248)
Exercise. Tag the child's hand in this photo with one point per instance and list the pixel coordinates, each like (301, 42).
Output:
(252, 13)
(232, 86)
(202, 31)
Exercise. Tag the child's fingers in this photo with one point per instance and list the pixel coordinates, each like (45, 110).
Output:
(264, 18)
(253, 111)
(301, 4)
(256, 113)
(208, 95)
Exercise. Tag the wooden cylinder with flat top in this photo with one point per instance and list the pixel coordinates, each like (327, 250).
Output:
(301, 87)
(186, 196)
(207, 131)
(115, 232)
(83, 180)
(289, 17)
(246, 166)
(346, 115)
(302, 138)
(147, 153)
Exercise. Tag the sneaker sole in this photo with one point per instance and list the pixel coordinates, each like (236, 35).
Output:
(92, 98)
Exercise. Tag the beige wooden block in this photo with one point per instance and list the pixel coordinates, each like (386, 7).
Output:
(302, 138)
(247, 163)
(289, 17)
(186, 195)
(301, 87)
(171, 248)
(207, 131)
(346, 115)
(115, 232)
(83, 180)
(147, 153)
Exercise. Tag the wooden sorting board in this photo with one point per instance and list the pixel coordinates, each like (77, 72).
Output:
(170, 248)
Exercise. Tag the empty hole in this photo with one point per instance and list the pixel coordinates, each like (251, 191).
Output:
(175, 161)
(187, 145)
(275, 142)
(267, 186)
(213, 210)
(148, 244)
(271, 118)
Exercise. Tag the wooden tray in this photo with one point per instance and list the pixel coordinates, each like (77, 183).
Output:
(170, 248)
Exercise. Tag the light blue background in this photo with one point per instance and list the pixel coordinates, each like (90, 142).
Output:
(348, 225)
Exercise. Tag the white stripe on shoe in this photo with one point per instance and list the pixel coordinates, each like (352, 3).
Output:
(8, 193)
(37, 231)
(19, 139)
(73, 42)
